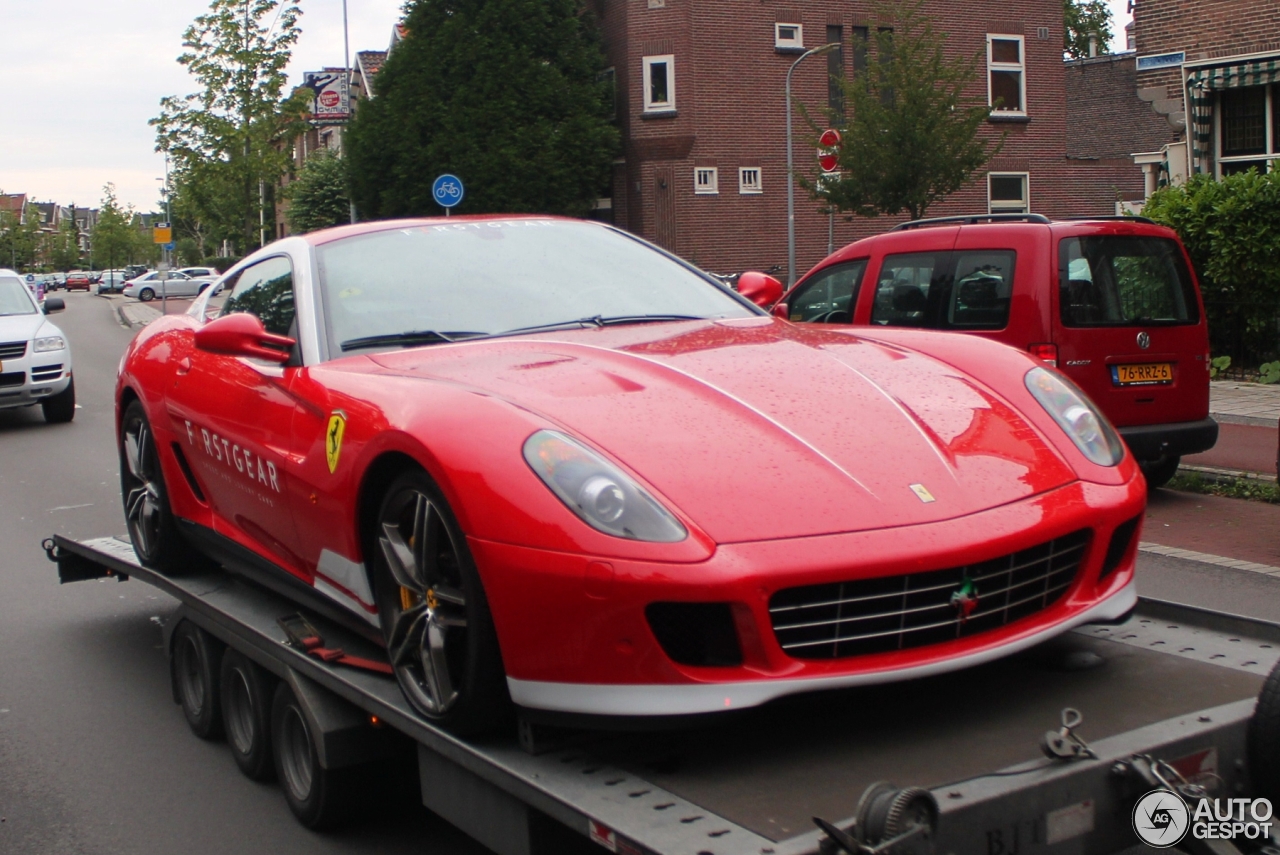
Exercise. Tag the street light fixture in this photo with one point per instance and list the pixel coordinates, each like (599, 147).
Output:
(791, 179)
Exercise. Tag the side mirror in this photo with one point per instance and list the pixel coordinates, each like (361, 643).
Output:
(53, 304)
(780, 310)
(242, 334)
(760, 289)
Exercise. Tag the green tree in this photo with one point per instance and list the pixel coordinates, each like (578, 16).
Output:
(506, 94)
(318, 197)
(1084, 18)
(115, 240)
(1231, 229)
(20, 238)
(64, 245)
(229, 139)
(912, 134)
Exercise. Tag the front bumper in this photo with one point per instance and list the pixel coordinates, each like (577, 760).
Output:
(33, 377)
(575, 638)
(1153, 442)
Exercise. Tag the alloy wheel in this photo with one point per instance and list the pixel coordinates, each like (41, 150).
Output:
(142, 499)
(427, 634)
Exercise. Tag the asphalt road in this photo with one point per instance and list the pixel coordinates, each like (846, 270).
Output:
(94, 755)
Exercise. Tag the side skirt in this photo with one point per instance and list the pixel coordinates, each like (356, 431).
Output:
(244, 562)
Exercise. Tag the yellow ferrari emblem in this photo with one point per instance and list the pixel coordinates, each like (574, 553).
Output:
(921, 493)
(333, 439)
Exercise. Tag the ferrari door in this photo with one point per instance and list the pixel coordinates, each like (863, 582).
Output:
(235, 414)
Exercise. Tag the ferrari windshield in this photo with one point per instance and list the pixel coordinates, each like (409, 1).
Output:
(14, 299)
(443, 282)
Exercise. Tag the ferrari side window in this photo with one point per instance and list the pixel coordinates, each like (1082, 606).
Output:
(829, 297)
(265, 289)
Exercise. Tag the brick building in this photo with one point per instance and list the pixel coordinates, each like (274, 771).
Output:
(700, 102)
(1213, 66)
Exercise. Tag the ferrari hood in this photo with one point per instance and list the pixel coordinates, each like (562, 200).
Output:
(755, 429)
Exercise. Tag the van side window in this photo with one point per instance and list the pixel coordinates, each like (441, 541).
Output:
(828, 298)
(982, 292)
(1115, 280)
(902, 291)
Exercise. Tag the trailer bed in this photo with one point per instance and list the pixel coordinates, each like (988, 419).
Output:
(1173, 681)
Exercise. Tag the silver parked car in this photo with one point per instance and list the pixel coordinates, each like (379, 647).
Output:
(164, 283)
(34, 355)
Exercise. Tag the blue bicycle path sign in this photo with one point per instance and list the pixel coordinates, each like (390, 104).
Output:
(447, 190)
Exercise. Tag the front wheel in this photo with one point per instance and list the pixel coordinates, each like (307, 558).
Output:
(435, 616)
(60, 408)
(146, 295)
(1159, 472)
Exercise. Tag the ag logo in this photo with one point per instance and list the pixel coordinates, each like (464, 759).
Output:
(1161, 819)
(333, 438)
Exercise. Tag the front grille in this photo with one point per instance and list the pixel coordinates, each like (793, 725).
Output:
(12, 349)
(13, 378)
(45, 372)
(841, 619)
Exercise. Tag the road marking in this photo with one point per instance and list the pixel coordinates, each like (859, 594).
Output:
(70, 507)
(1205, 558)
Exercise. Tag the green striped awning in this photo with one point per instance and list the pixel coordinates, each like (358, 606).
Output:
(1204, 82)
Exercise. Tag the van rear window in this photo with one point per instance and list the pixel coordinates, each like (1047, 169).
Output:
(1115, 281)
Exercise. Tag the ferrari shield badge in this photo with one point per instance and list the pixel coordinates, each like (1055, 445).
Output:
(922, 493)
(333, 439)
(965, 599)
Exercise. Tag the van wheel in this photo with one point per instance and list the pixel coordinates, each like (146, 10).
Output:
(1159, 472)
(60, 408)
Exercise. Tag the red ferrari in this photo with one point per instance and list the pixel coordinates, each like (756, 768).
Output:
(547, 463)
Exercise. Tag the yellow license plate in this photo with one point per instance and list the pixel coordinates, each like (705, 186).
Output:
(1137, 375)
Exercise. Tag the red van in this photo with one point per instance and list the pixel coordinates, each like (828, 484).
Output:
(1112, 303)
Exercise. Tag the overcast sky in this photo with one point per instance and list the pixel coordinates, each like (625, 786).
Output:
(86, 75)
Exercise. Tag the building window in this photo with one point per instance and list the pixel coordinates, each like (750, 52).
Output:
(1007, 193)
(788, 36)
(1248, 127)
(607, 79)
(1006, 80)
(659, 83)
(706, 180)
(749, 180)
(835, 70)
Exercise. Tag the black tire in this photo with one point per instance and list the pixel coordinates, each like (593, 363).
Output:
(146, 295)
(319, 798)
(1159, 472)
(152, 526)
(434, 612)
(194, 664)
(1263, 740)
(60, 408)
(247, 690)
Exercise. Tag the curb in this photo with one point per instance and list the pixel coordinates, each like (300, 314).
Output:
(1215, 473)
(1252, 421)
(1205, 558)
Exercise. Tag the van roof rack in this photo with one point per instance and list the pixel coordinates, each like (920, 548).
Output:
(973, 219)
(1132, 217)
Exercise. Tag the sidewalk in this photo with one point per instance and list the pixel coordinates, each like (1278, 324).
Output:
(1245, 403)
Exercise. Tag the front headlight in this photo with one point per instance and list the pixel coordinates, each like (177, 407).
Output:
(1075, 414)
(52, 342)
(598, 492)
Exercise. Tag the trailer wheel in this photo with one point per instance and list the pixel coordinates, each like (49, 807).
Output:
(1264, 740)
(434, 612)
(246, 714)
(194, 666)
(319, 798)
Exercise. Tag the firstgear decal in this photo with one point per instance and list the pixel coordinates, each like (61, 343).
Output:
(333, 438)
(243, 459)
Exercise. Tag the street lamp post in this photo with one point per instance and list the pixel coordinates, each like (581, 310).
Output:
(791, 178)
(346, 60)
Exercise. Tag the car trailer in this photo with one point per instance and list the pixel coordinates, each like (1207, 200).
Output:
(1006, 763)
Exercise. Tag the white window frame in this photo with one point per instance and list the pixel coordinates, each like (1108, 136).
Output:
(748, 187)
(706, 181)
(1270, 159)
(784, 43)
(1020, 67)
(1004, 206)
(650, 106)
